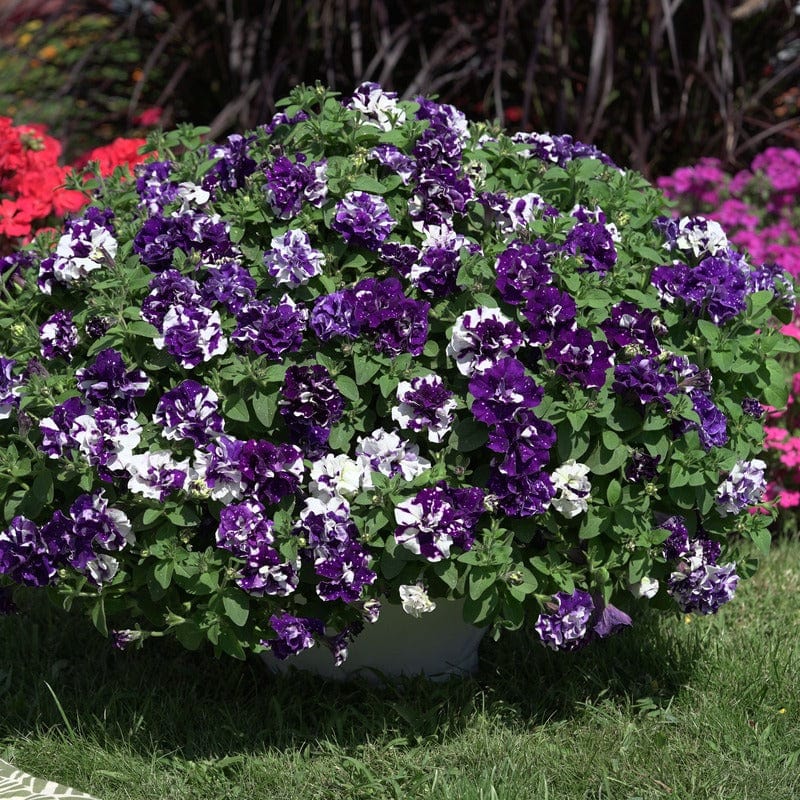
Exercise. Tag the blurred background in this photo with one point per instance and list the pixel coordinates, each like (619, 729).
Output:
(654, 83)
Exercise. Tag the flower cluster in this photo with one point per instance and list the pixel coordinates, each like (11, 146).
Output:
(32, 181)
(374, 353)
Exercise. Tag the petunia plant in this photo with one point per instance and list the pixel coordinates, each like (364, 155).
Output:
(372, 353)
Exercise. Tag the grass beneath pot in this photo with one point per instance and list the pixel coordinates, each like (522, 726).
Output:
(707, 708)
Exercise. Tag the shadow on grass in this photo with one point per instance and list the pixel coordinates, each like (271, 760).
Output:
(57, 672)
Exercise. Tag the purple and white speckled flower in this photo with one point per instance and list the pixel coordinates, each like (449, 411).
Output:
(10, 387)
(289, 184)
(743, 487)
(192, 334)
(501, 390)
(58, 336)
(378, 107)
(216, 470)
(363, 219)
(482, 337)
(437, 518)
(189, 411)
(106, 381)
(292, 634)
(156, 474)
(25, 556)
(572, 488)
(271, 330)
(385, 452)
(106, 439)
(425, 404)
(567, 627)
(292, 260)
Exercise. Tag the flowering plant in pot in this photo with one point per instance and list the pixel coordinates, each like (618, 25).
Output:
(371, 353)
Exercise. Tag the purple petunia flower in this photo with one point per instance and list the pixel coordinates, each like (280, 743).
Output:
(10, 387)
(271, 330)
(189, 411)
(524, 441)
(57, 438)
(229, 283)
(289, 184)
(567, 627)
(363, 219)
(192, 334)
(292, 260)
(25, 556)
(168, 289)
(521, 495)
(501, 390)
(378, 107)
(630, 326)
(594, 244)
(641, 382)
(310, 405)
(523, 267)
(271, 472)
(335, 315)
(743, 487)
(156, 474)
(233, 166)
(217, 466)
(580, 358)
(548, 311)
(425, 404)
(59, 336)
(437, 518)
(480, 338)
(106, 381)
(293, 634)
(106, 439)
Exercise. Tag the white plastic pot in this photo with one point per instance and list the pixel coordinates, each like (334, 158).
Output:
(438, 644)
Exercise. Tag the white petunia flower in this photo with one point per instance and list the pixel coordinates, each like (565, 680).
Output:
(416, 601)
(572, 487)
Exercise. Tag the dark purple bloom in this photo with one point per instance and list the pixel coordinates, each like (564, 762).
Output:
(57, 437)
(425, 404)
(292, 634)
(280, 118)
(594, 243)
(704, 589)
(271, 472)
(335, 315)
(217, 464)
(106, 381)
(522, 267)
(482, 337)
(230, 284)
(713, 426)
(106, 438)
(192, 334)
(363, 220)
(392, 158)
(400, 256)
(159, 237)
(168, 289)
(640, 382)
(501, 390)
(94, 521)
(345, 573)
(549, 311)
(189, 411)
(436, 271)
(310, 405)
(521, 495)
(271, 330)
(642, 467)
(609, 621)
(440, 193)
(630, 325)
(234, 165)
(153, 186)
(10, 387)
(96, 327)
(558, 149)
(25, 556)
(290, 183)
(524, 442)
(568, 626)
(580, 358)
(59, 336)
(773, 277)
(752, 407)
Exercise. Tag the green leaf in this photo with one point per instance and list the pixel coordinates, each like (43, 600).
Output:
(236, 409)
(141, 328)
(365, 183)
(614, 492)
(98, 615)
(365, 369)
(264, 407)
(468, 435)
(163, 573)
(762, 539)
(229, 643)
(237, 606)
(480, 580)
(348, 387)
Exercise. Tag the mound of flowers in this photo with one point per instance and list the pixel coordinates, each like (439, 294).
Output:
(372, 353)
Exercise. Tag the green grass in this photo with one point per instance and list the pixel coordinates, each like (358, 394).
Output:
(706, 709)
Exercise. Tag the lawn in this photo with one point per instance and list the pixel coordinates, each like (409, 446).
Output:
(681, 708)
